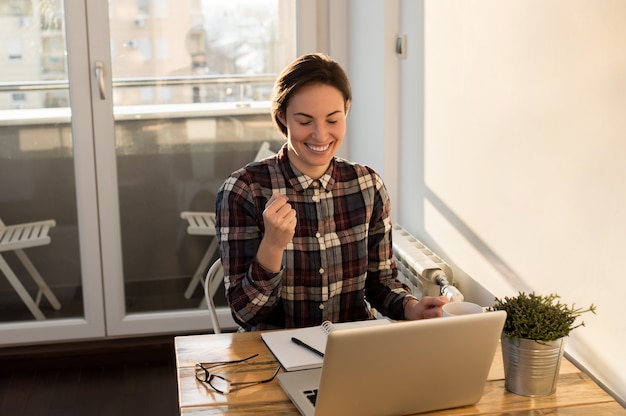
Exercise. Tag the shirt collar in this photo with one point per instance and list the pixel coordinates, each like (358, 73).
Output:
(298, 180)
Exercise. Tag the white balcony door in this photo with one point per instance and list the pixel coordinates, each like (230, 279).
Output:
(47, 174)
(160, 100)
(180, 99)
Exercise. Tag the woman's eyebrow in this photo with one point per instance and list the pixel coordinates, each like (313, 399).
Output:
(310, 116)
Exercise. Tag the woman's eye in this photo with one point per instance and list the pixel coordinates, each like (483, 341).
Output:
(331, 121)
(304, 123)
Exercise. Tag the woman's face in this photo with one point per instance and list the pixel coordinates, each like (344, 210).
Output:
(316, 124)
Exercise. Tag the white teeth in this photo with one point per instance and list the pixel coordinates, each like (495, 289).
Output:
(318, 148)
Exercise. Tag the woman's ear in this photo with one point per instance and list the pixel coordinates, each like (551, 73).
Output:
(348, 102)
(281, 117)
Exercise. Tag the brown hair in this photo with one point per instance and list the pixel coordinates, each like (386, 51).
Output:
(314, 68)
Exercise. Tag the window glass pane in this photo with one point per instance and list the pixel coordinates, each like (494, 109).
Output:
(37, 180)
(13, 8)
(191, 101)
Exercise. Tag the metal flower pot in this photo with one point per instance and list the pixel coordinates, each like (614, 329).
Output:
(531, 368)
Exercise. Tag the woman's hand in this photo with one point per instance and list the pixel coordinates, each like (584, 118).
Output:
(428, 307)
(279, 219)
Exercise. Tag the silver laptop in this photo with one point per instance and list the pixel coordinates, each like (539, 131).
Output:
(398, 369)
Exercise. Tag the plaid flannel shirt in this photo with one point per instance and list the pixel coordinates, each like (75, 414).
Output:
(339, 257)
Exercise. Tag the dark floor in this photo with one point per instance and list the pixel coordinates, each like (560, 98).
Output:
(113, 377)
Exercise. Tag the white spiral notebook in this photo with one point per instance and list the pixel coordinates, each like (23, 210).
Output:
(297, 357)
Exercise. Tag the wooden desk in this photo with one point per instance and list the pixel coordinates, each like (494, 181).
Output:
(576, 393)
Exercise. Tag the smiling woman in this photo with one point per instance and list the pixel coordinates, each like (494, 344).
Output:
(304, 236)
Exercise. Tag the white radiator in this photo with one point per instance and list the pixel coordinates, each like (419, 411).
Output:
(421, 269)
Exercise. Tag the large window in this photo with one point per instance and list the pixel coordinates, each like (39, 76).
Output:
(189, 84)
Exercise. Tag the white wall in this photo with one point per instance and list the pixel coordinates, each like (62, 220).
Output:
(520, 158)
(511, 148)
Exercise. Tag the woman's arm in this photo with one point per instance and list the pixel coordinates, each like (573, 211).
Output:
(252, 291)
(382, 288)
(384, 291)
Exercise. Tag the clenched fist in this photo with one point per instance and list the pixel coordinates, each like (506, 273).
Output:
(280, 221)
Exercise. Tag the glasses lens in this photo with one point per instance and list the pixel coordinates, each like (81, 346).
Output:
(219, 384)
(201, 373)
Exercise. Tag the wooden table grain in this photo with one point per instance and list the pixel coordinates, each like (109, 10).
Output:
(576, 393)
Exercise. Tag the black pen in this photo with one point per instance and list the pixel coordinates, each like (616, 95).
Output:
(308, 347)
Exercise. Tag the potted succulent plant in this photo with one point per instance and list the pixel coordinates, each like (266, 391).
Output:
(533, 340)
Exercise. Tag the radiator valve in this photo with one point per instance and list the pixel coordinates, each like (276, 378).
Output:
(447, 289)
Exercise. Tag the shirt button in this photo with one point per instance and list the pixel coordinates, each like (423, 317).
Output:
(321, 306)
(317, 235)
(321, 270)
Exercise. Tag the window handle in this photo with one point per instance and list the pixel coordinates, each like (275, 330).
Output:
(99, 68)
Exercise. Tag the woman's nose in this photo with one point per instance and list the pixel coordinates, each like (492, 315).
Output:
(319, 132)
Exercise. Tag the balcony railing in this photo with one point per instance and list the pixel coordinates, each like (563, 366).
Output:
(238, 104)
(143, 82)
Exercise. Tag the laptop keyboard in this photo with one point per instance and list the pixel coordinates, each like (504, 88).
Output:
(311, 395)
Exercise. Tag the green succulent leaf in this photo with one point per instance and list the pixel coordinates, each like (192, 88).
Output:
(539, 317)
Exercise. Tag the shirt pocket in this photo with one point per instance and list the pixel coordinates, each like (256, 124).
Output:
(354, 253)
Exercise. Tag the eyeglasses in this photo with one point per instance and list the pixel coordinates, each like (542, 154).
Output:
(223, 385)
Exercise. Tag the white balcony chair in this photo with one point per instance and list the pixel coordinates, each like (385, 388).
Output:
(200, 223)
(203, 223)
(16, 238)
(212, 282)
